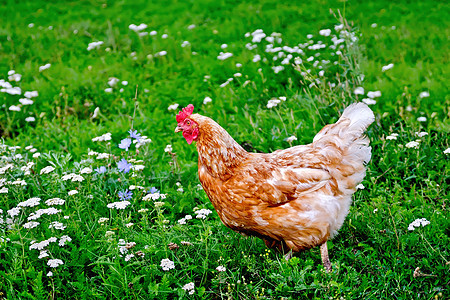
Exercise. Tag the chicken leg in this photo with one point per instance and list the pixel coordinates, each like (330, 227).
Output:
(325, 259)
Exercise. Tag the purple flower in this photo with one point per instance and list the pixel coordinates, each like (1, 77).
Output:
(100, 170)
(153, 190)
(134, 134)
(124, 166)
(125, 144)
(125, 195)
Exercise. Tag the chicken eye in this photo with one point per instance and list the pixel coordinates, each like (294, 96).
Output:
(188, 122)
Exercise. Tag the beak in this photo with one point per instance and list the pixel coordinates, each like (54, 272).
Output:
(178, 129)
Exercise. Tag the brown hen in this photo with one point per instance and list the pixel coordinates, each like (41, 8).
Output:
(294, 199)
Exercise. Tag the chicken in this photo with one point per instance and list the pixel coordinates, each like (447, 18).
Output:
(294, 199)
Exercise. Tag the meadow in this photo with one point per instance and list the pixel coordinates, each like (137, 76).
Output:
(100, 199)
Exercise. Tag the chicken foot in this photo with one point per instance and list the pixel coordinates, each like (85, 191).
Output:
(325, 259)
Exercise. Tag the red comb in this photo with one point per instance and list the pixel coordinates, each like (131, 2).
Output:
(185, 112)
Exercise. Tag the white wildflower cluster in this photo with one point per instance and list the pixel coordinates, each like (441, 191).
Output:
(221, 269)
(102, 221)
(392, 136)
(102, 138)
(154, 196)
(54, 263)
(173, 107)
(413, 144)
(202, 213)
(142, 141)
(30, 225)
(41, 245)
(72, 176)
(417, 223)
(94, 45)
(30, 202)
(189, 288)
(57, 225)
(47, 170)
(137, 28)
(72, 192)
(44, 67)
(43, 211)
(182, 221)
(424, 94)
(224, 55)
(207, 100)
(119, 204)
(167, 264)
(291, 139)
(63, 240)
(55, 201)
(447, 151)
(387, 67)
(275, 101)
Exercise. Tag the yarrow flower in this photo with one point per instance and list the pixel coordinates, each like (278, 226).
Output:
(202, 213)
(119, 204)
(221, 269)
(47, 170)
(417, 223)
(167, 264)
(189, 288)
(412, 144)
(53, 263)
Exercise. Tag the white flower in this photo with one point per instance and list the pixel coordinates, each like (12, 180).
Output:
(373, 25)
(13, 211)
(339, 27)
(44, 67)
(30, 119)
(102, 220)
(412, 144)
(77, 177)
(137, 28)
(31, 94)
(72, 192)
(102, 138)
(192, 26)
(41, 245)
(447, 151)
(424, 94)
(36, 155)
(387, 67)
(224, 55)
(31, 224)
(189, 288)
(185, 44)
(359, 91)
(112, 81)
(168, 148)
(129, 256)
(221, 269)
(421, 134)
(119, 204)
(369, 101)
(360, 186)
(14, 108)
(374, 94)
(30, 202)
(43, 254)
(159, 204)
(417, 223)
(422, 119)
(256, 58)
(4, 190)
(57, 225)
(63, 240)
(258, 35)
(43, 211)
(26, 101)
(164, 36)
(207, 100)
(291, 139)
(67, 176)
(325, 32)
(167, 264)
(128, 225)
(55, 201)
(173, 107)
(50, 274)
(108, 90)
(202, 213)
(393, 136)
(53, 263)
(47, 170)
(94, 45)
(86, 170)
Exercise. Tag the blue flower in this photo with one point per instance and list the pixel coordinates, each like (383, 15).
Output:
(153, 190)
(125, 195)
(124, 166)
(100, 170)
(125, 144)
(134, 134)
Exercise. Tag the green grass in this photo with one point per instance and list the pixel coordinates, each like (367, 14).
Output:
(374, 256)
